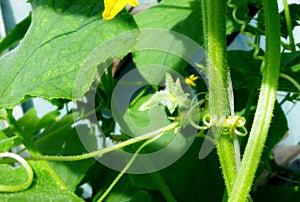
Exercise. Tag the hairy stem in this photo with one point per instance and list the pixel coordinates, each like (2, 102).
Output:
(265, 106)
(218, 85)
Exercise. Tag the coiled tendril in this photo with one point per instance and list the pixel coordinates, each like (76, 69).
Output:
(256, 47)
(244, 24)
(230, 125)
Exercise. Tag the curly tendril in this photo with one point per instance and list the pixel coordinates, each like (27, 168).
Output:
(24, 185)
(244, 24)
(206, 119)
(230, 126)
(235, 125)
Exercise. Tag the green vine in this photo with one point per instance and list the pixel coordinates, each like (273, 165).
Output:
(289, 25)
(265, 105)
(100, 152)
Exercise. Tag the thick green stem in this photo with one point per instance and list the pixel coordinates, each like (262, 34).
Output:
(218, 85)
(265, 106)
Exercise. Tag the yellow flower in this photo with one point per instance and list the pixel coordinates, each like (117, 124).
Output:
(113, 7)
(190, 80)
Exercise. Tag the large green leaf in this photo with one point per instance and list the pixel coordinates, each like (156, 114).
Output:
(11, 175)
(179, 16)
(170, 37)
(59, 42)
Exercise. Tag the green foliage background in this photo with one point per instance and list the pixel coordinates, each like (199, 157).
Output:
(64, 37)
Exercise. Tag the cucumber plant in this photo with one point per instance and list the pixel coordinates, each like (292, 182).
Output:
(142, 95)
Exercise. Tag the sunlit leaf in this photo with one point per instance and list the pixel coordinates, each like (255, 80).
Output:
(61, 38)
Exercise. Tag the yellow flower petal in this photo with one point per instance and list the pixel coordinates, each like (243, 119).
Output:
(113, 7)
(190, 80)
(193, 77)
